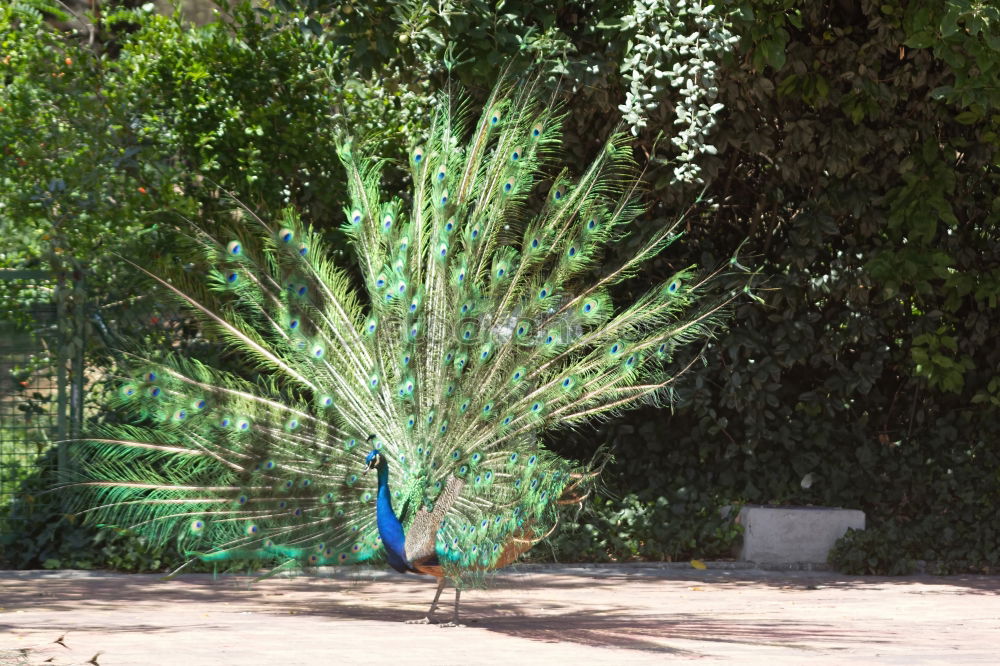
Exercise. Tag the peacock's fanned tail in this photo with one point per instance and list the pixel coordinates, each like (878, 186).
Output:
(474, 331)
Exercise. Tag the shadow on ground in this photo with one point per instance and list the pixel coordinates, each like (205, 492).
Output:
(515, 605)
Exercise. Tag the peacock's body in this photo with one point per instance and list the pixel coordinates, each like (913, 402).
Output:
(473, 332)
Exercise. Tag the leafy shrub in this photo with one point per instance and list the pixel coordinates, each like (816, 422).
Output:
(36, 534)
(875, 552)
(627, 529)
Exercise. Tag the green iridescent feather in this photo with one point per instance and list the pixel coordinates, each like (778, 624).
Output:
(474, 330)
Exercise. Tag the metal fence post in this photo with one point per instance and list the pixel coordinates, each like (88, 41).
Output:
(60, 360)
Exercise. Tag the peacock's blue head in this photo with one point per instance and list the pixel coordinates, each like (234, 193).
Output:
(373, 459)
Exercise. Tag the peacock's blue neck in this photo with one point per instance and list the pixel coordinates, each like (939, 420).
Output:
(389, 527)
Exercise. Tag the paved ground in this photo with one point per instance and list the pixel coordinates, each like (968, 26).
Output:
(603, 615)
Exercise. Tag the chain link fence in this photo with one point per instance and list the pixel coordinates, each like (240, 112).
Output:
(60, 347)
(35, 388)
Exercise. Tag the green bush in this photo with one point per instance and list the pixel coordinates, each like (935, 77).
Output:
(36, 534)
(871, 552)
(630, 529)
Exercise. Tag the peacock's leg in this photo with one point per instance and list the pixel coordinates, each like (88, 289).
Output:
(454, 620)
(430, 613)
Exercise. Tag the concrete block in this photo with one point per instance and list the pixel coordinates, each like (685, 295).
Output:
(794, 534)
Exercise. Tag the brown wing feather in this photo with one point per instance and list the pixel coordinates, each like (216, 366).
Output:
(429, 569)
(422, 535)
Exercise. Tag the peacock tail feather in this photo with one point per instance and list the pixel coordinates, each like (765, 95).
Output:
(473, 332)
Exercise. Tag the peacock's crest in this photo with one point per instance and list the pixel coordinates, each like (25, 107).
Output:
(474, 329)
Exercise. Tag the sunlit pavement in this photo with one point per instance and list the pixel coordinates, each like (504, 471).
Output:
(616, 614)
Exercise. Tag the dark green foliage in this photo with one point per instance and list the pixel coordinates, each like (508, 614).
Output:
(37, 534)
(671, 530)
(870, 367)
(875, 552)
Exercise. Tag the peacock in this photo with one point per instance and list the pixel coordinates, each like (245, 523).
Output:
(483, 317)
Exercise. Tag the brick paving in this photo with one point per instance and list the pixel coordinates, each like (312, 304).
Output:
(546, 615)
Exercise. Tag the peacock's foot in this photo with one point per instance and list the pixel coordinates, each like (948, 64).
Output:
(423, 620)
